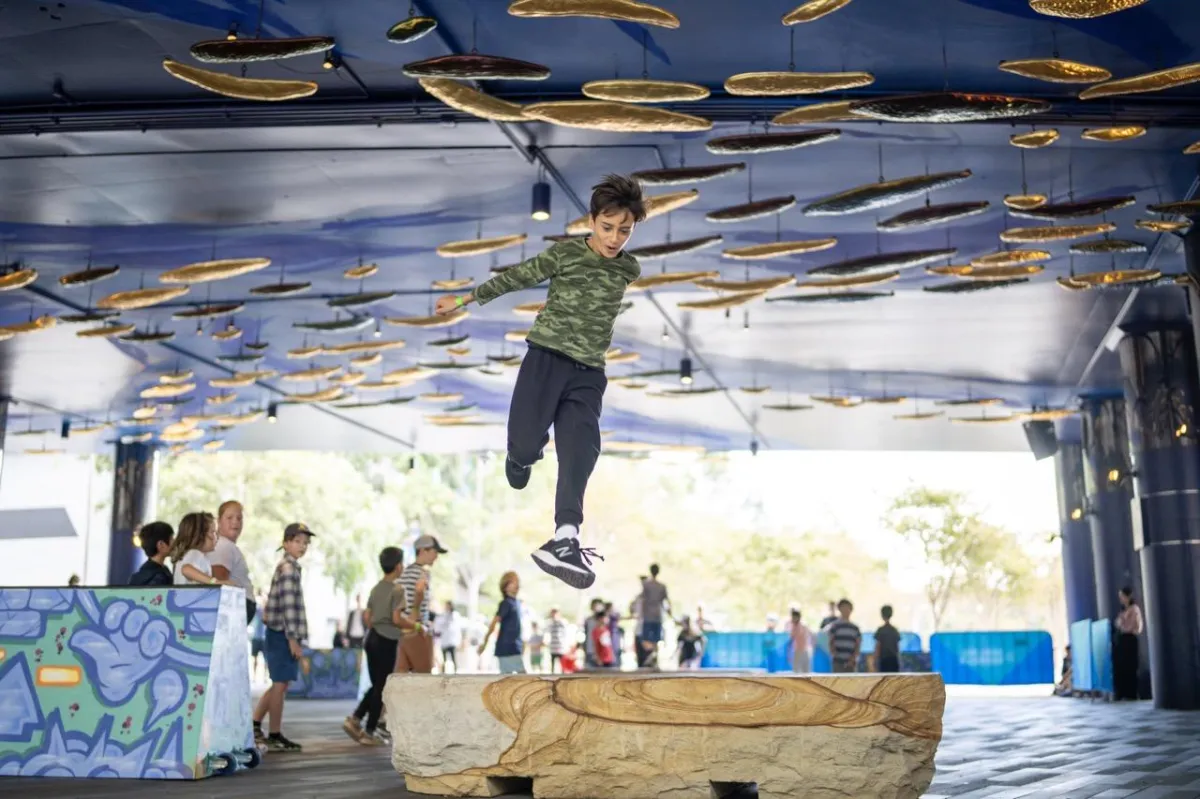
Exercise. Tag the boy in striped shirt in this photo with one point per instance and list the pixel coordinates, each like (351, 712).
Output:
(416, 646)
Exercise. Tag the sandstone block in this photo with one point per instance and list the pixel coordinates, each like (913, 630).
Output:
(679, 736)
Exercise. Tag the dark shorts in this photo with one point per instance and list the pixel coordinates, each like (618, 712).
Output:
(281, 666)
(257, 647)
(652, 631)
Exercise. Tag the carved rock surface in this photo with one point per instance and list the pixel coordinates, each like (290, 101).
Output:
(632, 736)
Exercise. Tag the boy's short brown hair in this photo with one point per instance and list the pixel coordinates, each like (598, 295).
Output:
(618, 193)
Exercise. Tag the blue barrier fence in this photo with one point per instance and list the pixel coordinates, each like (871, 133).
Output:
(773, 652)
(993, 658)
(1082, 672)
(1091, 656)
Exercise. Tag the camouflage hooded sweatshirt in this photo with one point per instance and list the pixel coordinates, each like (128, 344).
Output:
(586, 290)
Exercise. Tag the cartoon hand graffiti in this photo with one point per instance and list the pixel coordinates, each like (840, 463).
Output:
(125, 647)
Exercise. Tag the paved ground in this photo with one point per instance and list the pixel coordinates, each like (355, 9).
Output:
(994, 748)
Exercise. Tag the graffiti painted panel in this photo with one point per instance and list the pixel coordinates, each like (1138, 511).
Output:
(328, 674)
(108, 682)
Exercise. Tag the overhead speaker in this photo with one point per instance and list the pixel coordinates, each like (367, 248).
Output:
(1041, 438)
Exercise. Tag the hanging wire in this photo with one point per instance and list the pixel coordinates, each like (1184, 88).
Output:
(645, 55)
(881, 162)
(258, 30)
(792, 50)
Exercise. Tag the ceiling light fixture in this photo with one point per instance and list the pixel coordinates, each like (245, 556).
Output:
(273, 412)
(685, 371)
(540, 211)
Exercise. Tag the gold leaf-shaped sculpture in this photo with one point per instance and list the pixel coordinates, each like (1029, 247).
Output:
(376, 386)
(428, 321)
(783, 84)
(453, 284)
(1011, 258)
(1117, 277)
(1027, 235)
(812, 11)
(656, 205)
(369, 359)
(816, 113)
(620, 10)
(1161, 225)
(451, 419)
(106, 331)
(408, 374)
(529, 308)
(349, 378)
(459, 249)
(778, 249)
(1150, 82)
(919, 416)
(214, 445)
(227, 334)
(221, 399)
(205, 271)
(241, 88)
(145, 412)
(1048, 414)
(669, 278)
(1192, 149)
(987, 272)
(167, 390)
(181, 436)
(324, 395)
(472, 101)
(361, 271)
(300, 353)
(1034, 139)
(1025, 202)
(983, 419)
(17, 279)
(141, 298)
(1082, 9)
(88, 276)
(615, 117)
(516, 336)
(441, 396)
(788, 407)
(90, 428)
(720, 303)
(644, 90)
(182, 376)
(1055, 70)
(754, 389)
(761, 284)
(242, 379)
(315, 373)
(32, 326)
(359, 346)
(851, 281)
(1116, 133)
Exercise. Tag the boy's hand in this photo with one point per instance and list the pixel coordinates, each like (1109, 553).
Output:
(446, 304)
(294, 648)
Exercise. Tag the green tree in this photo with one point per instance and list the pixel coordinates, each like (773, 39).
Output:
(962, 553)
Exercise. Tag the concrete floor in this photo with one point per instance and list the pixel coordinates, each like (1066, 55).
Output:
(993, 748)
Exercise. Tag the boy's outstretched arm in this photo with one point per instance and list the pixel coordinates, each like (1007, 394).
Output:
(530, 272)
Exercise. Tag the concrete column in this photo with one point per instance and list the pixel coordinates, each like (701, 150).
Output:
(135, 494)
(1079, 568)
(1162, 386)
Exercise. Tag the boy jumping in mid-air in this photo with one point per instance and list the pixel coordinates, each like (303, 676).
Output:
(561, 381)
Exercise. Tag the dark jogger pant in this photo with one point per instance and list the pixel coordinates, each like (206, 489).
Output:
(555, 390)
(381, 657)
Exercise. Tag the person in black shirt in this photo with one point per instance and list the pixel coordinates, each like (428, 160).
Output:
(156, 543)
(887, 644)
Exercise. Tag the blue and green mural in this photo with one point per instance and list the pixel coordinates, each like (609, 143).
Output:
(328, 674)
(122, 682)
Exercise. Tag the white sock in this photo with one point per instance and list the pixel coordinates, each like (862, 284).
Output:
(566, 531)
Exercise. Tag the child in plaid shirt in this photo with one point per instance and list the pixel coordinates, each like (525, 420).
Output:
(286, 630)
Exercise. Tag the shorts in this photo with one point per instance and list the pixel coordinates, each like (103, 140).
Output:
(535, 661)
(415, 654)
(257, 646)
(511, 664)
(281, 666)
(651, 631)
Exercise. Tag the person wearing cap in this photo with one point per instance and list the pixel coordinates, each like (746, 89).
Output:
(416, 646)
(287, 630)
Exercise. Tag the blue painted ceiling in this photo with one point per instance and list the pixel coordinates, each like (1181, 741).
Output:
(107, 158)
